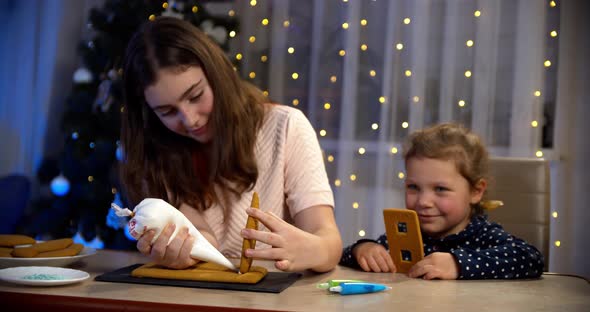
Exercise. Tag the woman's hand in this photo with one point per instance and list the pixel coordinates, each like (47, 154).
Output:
(175, 255)
(294, 249)
(440, 265)
(373, 257)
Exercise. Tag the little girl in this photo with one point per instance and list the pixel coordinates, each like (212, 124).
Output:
(445, 182)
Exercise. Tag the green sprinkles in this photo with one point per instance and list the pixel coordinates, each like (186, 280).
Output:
(44, 277)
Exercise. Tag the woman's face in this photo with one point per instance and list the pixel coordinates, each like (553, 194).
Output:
(183, 100)
(440, 195)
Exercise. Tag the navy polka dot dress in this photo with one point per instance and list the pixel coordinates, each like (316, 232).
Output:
(483, 250)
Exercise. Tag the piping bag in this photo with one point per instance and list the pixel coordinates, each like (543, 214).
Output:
(155, 214)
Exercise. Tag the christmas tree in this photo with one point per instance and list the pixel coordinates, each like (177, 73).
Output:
(78, 186)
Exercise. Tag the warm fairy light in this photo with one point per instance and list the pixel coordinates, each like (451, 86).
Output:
(195, 9)
(394, 150)
(264, 22)
(408, 73)
(477, 13)
(232, 33)
(330, 158)
(552, 4)
(90, 178)
(355, 205)
(416, 99)
(553, 33)
(407, 20)
(239, 56)
(534, 123)
(265, 93)
(352, 177)
(263, 58)
(401, 175)
(295, 102)
(253, 2)
(230, 12)
(537, 93)
(554, 214)
(362, 233)
(375, 126)
(323, 132)
(364, 47)
(461, 103)
(539, 154)
(294, 76)
(372, 73)
(327, 106)
(364, 22)
(344, 1)
(469, 43)
(152, 17)
(557, 243)
(235, 68)
(399, 46)
(165, 5)
(342, 53)
(286, 23)
(362, 150)
(252, 75)
(333, 79)
(344, 25)
(405, 124)
(252, 39)
(337, 182)
(467, 73)
(382, 99)
(547, 63)
(291, 50)
(113, 190)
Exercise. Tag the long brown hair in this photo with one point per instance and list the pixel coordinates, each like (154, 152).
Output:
(449, 141)
(159, 163)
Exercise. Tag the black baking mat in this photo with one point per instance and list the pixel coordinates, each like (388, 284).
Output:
(273, 282)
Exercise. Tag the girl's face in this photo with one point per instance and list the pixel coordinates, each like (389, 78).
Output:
(183, 100)
(440, 195)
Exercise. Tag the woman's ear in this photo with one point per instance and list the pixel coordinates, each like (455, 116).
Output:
(478, 190)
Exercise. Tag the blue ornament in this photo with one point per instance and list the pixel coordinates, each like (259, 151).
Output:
(119, 153)
(60, 186)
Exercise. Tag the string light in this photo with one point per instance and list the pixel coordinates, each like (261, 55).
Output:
(291, 50)
(407, 20)
(461, 103)
(477, 13)
(342, 53)
(362, 233)
(195, 9)
(552, 4)
(373, 73)
(364, 47)
(553, 33)
(327, 106)
(557, 243)
(264, 22)
(330, 158)
(263, 58)
(232, 33)
(467, 73)
(333, 79)
(253, 2)
(554, 214)
(469, 43)
(344, 25)
(408, 73)
(534, 123)
(375, 126)
(239, 56)
(113, 190)
(323, 132)
(537, 93)
(394, 150)
(252, 39)
(337, 182)
(401, 175)
(405, 124)
(364, 22)
(165, 5)
(353, 177)
(265, 93)
(416, 99)
(355, 205)
(230, 12)
(399, 46)
(295, 102)
(152, 18)
(382, 99)
(539, 154)
(90, 178)
(286, 23)
(294, 76)
(547, 63)
(252, 75)
(362, 150)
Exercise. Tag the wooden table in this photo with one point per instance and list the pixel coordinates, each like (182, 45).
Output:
(550, 293)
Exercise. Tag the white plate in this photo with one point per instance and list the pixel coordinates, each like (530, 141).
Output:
(42, 276)
(54, 262)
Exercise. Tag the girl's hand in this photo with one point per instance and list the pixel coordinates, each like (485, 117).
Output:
(373, 257)
(175, 255)
(440, 265)
(292, 248)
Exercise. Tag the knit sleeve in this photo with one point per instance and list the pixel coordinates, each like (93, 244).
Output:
(496, 254)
